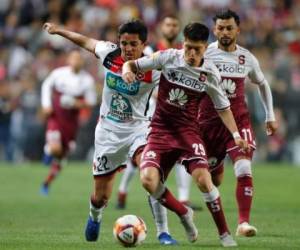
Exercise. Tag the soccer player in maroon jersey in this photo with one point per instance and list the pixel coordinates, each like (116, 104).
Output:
(64, 92)
(174, 135)
(235, 64)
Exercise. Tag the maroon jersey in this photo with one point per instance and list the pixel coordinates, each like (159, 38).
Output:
(174, 125)
(234, 68)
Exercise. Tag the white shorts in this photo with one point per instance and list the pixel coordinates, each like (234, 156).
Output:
(113, 148)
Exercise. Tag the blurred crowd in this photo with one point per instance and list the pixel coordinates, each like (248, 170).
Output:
(269, 28)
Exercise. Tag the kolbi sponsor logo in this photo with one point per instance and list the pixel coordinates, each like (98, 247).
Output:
(116, 82)
(182, 79)
(231, 68)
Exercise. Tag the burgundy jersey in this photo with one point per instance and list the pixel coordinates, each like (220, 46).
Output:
(234, 68)
(181, 89)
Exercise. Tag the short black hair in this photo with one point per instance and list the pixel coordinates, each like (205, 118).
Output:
(134, 26)
(227, 14)
(170, 15)
(196, 32)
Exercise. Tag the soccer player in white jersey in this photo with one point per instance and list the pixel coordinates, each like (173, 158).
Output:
(123, 125)
(235, 65)
(174, 135)
(64, 92)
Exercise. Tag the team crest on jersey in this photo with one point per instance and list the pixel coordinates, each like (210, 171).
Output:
(150, 154)
(177, 97)
(116, 82)
(229, 87)
(180, 78)
(120, 109)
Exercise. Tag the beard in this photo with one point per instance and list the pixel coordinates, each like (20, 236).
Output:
(170, 38)
(226, 42)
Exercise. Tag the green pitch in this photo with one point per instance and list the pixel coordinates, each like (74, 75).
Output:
(31, 221)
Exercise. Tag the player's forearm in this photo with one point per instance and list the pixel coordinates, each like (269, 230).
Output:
(229, 121)
(129, 66)
(81, 40)
(267, 101)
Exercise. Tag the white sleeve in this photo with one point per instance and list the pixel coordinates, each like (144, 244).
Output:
(155, 61)
(217, 95)
(103, 48)
(47, 86)
(267, 100)
(90, 95)
(256, 76)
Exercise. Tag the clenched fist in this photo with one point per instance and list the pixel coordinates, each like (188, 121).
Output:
(51, 28)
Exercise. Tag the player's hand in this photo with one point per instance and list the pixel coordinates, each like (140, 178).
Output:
(51, 28)
(67, 101)
(128, 77)
(243, 144)
(45, 113)
(271, 127)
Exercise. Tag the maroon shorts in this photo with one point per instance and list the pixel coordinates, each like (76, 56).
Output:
(218, 142)
(65, 135)
(164, 150)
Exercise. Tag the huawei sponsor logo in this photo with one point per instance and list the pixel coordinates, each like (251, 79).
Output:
(150, 154)
(177, 97)
(229, 88)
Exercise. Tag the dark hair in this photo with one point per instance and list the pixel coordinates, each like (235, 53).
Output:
(227, 14)
(134, 26)
(169, 15)
(196, 32)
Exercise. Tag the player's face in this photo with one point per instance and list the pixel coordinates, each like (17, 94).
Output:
(226, 31)
(75, 60)
(170, 28)
(131, 46)
(193, 52)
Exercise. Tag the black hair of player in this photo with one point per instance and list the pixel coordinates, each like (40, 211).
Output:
(134, 26)
(196, 32)
(227, 14)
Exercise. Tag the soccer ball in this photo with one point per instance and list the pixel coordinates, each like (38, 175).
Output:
(130, 230)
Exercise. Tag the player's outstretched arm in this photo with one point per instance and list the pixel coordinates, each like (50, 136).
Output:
(81, 40)
(228, 119)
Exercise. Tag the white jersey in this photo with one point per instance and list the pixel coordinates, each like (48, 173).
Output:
(66, 82)
(124, 106)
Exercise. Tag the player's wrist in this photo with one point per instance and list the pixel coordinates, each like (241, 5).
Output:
(236, 135)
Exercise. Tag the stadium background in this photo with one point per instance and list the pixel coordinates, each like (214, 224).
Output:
(270, 29)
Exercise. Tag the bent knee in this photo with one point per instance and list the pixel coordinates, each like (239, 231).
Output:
(150, 178)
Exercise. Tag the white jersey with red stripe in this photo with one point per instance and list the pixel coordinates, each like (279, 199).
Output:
(124, 106)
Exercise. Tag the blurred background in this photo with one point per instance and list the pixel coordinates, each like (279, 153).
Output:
(270, 29)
